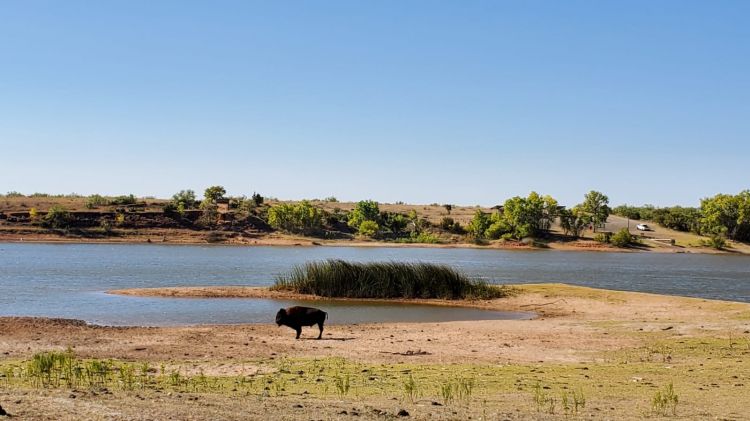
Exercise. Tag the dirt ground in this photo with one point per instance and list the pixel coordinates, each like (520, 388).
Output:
(617, 348)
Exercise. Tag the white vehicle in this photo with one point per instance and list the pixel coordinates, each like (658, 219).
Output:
(643, 227)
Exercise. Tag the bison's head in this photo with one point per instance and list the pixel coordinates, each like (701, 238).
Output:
(280, 316)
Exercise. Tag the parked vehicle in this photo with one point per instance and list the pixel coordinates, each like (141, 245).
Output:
(643, 227)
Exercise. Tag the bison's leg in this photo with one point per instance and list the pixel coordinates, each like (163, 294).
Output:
(299, 331)
(320, 326)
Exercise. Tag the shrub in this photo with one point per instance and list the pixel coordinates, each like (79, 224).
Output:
(95, 200)
(426, 238)
(33, 214)
(338, 278)
(715, 241)
(368, 228)
(665, 401)
(394, 222)
(365, 210)
(214, 193)
(622, 238)
(123, 200)
(14, 194)
(302, 218)
(186, 198)
(603, 237)
(497, 230)
(449, 224)
(210, 216)
(479, 224)
(57, 217)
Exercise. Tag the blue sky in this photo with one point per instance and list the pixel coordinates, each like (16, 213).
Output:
(449, 102)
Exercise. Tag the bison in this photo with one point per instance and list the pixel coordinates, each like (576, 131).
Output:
(296, 317)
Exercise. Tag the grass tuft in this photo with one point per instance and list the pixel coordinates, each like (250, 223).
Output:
(338, 278)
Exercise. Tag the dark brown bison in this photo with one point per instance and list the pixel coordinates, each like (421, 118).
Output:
(296, 317)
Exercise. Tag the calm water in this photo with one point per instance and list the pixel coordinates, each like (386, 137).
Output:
(70, 280)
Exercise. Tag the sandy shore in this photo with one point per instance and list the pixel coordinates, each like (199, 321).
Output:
(619, 347)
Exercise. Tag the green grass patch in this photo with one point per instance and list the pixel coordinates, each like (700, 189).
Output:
(338, 278)
(705, 380)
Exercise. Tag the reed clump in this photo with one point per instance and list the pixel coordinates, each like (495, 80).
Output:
(338, 278)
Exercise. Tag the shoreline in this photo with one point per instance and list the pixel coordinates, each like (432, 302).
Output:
(581, 246)
(617, 347)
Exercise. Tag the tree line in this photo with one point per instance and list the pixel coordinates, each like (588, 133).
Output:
(723, 215)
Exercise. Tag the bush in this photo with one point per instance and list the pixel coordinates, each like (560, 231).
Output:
(123, 200)
(302, 218)
(717, 242)
(449, 224)
(186, 198)
(214, 193)
(603, 237)
(257, 199)
(479, 224)
(497, 230)
(426, 238)
(368, 228)
(365, 210)
(95, 200)
(622, 238)
(57, 217)
(337, 278)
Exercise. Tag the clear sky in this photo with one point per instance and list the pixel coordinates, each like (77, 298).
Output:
(465, 102)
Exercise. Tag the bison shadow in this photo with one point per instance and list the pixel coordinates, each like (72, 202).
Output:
(328, 339)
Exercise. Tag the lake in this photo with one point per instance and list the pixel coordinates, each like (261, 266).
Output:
(70, 280)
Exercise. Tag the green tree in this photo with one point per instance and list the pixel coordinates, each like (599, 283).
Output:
(395, 222)
(214, 193)
(478, 225)
(596, 205)
(302, 218)
(621, 238)
(368, 228)
(57, 217)
(186, 198)
(574, 221)
(530, 216)
(365, 210)
(498, 227)
(728, 215)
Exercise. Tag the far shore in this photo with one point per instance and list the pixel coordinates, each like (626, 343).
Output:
(291, 241)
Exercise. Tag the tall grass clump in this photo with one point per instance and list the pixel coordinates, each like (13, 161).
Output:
(338, 278)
